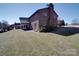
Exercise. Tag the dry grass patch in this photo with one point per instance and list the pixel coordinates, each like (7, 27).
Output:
(18, 42)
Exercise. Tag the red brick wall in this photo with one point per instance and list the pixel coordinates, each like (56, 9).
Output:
(53, 19)
(41, 18)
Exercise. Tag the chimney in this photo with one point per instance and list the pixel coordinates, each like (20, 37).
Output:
(50, 5)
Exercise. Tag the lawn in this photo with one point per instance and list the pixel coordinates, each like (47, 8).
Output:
(23, 43)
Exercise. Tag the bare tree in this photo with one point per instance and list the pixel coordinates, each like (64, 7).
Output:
(75, 22)
(61, 22)
(0, 25)
(5, 24)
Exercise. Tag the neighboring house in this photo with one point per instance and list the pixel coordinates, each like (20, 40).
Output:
(17, 25)
(44, 19)
(25, 23)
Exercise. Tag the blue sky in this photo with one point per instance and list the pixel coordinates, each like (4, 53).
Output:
(11, 12)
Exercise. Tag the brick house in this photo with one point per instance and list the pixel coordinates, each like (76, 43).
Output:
(44, 19)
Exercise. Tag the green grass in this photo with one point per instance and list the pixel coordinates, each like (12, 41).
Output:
(18, 43)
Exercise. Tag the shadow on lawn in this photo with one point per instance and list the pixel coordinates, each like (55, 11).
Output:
(66, 31)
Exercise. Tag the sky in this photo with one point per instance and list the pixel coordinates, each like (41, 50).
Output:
(12, 11)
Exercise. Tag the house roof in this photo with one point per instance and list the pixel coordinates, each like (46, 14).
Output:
(17, 24)
(23, 18)
(40, 10)
(36, 12)
(28, 19)
(55, 13)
